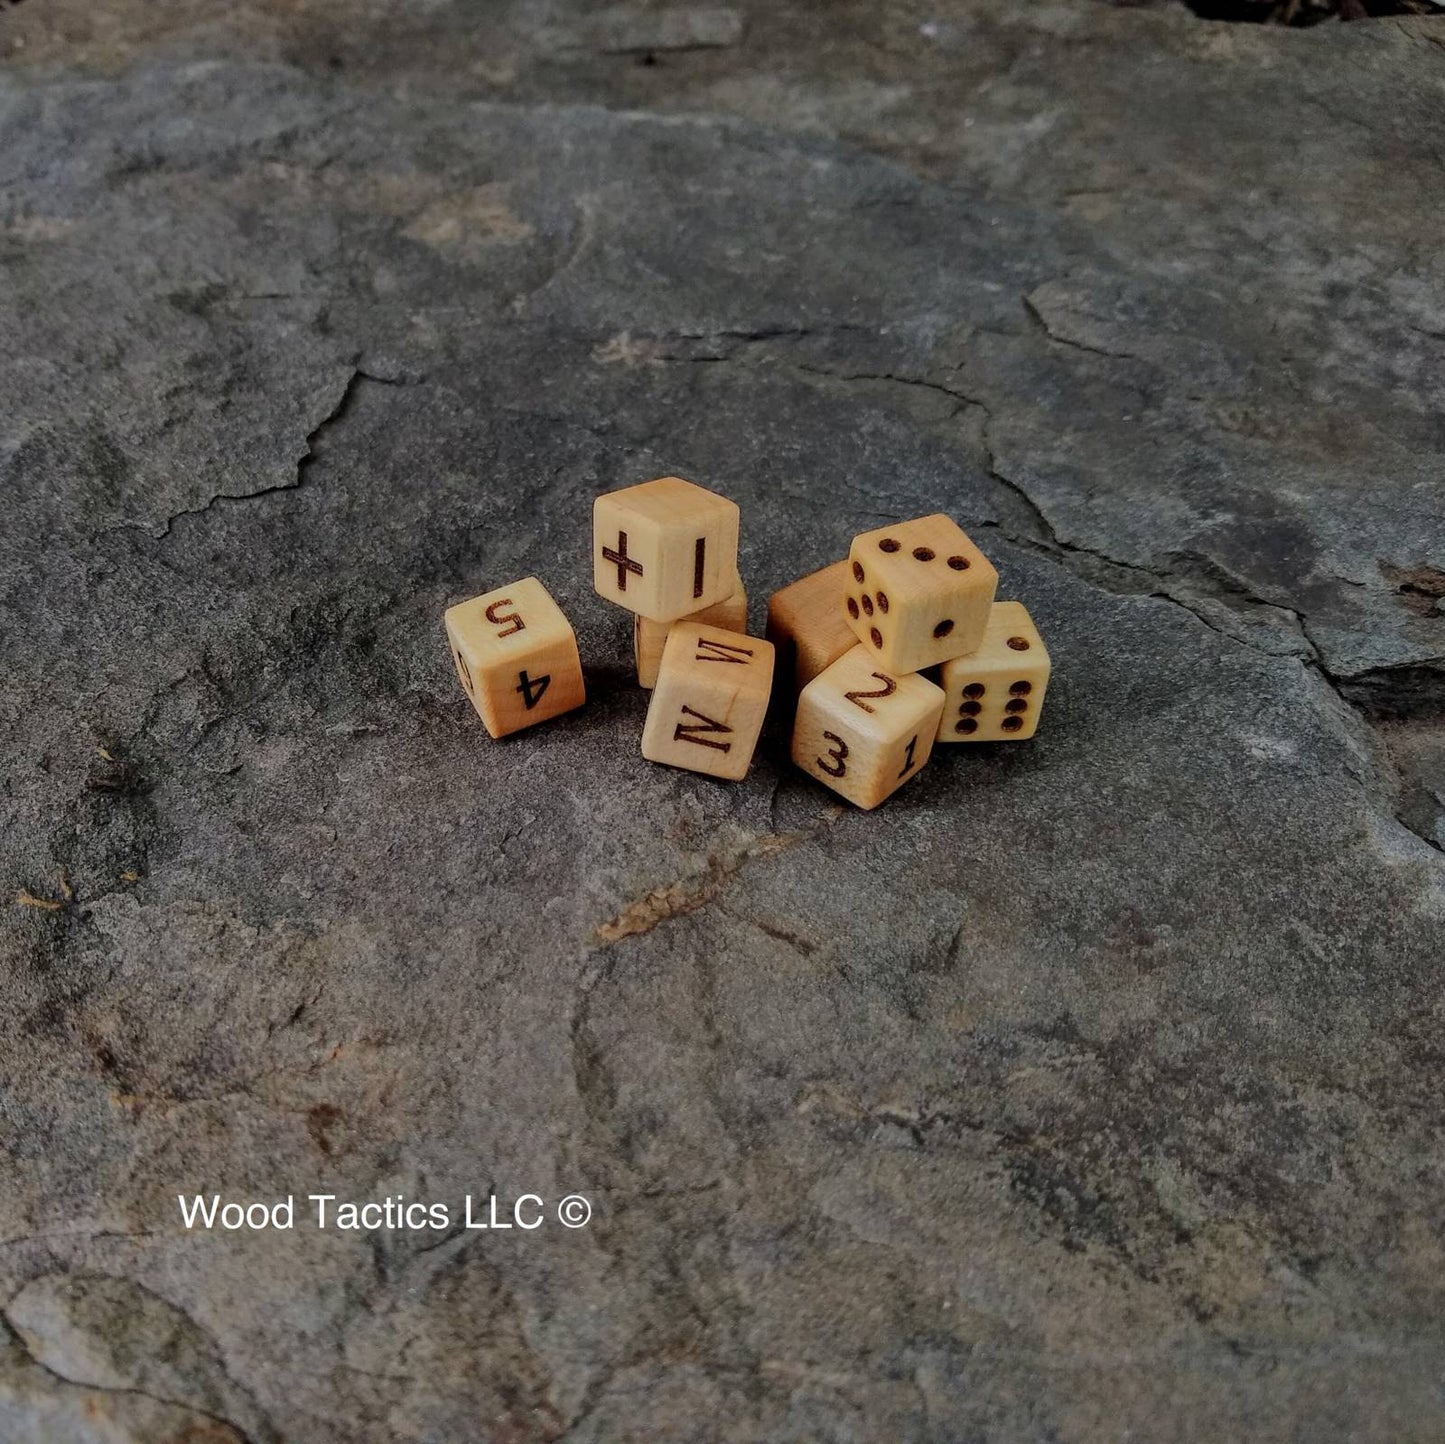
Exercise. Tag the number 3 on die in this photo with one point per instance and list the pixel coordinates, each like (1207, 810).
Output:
(863, 731)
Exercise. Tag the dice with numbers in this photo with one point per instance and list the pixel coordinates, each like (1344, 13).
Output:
(664, 549)
(806, 624)
(918, 593)
(649, 637)
(996, 693)
(864, 731)
(710, 700)
(516, 656)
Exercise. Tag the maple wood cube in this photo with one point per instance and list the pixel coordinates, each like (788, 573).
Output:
(918, 593)
(649, 637)
(807, 625)
(664, 549)
(516, 655)
(710, 700)
(995, 694)
(864, 731)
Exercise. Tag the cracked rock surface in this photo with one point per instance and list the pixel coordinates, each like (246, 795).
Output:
(1089, 1089)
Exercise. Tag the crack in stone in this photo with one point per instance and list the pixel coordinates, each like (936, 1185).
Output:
(893, 378)
(1406, 690)
(800, 944)
(21, 1344)
(1042, 322)
(333, 418)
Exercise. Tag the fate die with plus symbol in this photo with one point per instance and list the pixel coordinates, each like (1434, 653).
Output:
(516, 656)
(918, 593)
(864, 731)
(664, 549)
(711, 696)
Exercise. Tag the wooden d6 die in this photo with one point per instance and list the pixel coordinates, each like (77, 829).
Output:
(996, 693)
(516, 655)
(710, 700)
(864, 731)
(664, 549)
(918, 593)
(807, 625)
(649, 637)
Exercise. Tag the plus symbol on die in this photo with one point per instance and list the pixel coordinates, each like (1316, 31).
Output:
(622, 561)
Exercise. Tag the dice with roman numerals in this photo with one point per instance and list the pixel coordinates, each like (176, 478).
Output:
(996, 693)
(649, 637)
(864, 731)
(516, 655)
(710, 700)
(918, 593)
(664, 549)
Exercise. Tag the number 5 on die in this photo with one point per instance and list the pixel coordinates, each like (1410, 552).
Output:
(516, 656)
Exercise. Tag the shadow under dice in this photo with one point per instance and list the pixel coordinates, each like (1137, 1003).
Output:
(918, 593)
(711, 696)
(516, 656)
(863, 730)
(996, 693)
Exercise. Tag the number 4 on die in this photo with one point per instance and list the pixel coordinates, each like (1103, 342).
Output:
(516, 656)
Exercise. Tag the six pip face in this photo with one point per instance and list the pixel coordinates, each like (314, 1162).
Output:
(920, 593)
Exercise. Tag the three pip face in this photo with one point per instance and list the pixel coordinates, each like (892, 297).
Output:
(919, 593)
(854, 637)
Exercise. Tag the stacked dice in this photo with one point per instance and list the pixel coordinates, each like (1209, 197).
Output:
(899, 647)
(668, 551)
(883, 655)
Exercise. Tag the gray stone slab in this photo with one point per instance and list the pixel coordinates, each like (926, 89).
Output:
(1087, 1088)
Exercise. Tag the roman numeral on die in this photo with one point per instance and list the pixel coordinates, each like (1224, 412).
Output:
(664, 549)
(711, 696)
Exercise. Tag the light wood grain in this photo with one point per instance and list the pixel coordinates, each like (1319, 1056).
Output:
(996, 693)
(649, 637)
(516, 656)
(710, 700)
(865, 731)
(918, 593)
(664, 549)
(806, 623)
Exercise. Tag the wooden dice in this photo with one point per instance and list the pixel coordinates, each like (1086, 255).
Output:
(710, 700)
(863, 730)
(853, 638)
(807, 625)
(918, 593)
(649, 637)
(516, 655)
(996, 693)
(664, 549)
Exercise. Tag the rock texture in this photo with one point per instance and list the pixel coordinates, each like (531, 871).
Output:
(1088, 1090)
